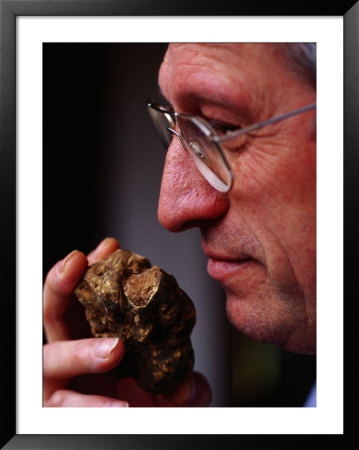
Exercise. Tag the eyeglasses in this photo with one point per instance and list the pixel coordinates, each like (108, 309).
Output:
(200, 138)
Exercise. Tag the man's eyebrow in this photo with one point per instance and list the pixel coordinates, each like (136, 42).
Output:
(241, 108)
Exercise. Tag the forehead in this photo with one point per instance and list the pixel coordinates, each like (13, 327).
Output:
(228, 54)
(223, 72)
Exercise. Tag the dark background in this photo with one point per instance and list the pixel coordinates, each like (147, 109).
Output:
(102, 165)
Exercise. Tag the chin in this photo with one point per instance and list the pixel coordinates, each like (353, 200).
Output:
(273, 323)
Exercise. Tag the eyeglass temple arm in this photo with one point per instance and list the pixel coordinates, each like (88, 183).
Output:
(263, 124)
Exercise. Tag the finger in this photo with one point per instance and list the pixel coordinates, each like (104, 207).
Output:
(194, 391)
(58, 289)
(67, 359)
(104, 249)
(66, 398)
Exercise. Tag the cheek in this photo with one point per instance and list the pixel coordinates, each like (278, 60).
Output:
(276, 174)
(275, 192)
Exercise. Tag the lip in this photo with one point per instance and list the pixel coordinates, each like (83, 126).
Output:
(221, 269)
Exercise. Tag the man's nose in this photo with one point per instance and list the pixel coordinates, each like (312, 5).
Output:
(186, 199)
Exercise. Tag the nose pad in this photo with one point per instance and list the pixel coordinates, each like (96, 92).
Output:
(195, 146)
(197, 149)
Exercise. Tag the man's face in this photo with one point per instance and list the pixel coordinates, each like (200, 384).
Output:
(260, 237)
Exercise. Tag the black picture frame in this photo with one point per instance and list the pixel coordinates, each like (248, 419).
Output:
(9, 10)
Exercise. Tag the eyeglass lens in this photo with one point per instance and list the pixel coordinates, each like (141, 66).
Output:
(205, 153)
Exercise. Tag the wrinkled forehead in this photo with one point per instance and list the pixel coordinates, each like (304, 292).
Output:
(217, 69)
(187, 58)
(232, 55)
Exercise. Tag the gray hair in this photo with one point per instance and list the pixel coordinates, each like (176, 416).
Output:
(302, 58)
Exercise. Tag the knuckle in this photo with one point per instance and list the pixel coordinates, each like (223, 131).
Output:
(76, 358)
(81, 356)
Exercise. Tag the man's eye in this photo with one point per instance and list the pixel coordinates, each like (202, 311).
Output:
(222, 128)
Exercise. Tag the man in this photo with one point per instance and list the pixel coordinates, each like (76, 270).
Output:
(252, 195)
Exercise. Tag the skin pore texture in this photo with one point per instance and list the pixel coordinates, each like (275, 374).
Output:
(260, 237)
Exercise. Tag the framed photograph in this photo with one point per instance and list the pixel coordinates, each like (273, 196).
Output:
(80, 162)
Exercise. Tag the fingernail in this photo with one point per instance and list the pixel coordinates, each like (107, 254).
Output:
(102, 245)
(117, 404)
(104, 347)
(66, 260)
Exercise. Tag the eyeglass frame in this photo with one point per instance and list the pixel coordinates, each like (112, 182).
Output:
(213, 136)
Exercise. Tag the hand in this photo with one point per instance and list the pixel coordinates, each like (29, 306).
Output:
(75, 367)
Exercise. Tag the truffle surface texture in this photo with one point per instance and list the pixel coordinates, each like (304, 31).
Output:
(125, 296)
